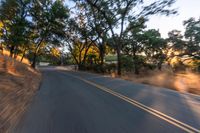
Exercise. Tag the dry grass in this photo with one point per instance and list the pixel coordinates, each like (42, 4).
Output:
(18, 84)
(18, 58)
(182, 82)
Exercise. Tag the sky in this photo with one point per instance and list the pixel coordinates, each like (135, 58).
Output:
(185, 8)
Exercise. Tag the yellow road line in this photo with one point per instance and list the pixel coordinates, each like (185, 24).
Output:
(150, 110)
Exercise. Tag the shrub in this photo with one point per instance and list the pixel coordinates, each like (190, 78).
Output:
(127, 63)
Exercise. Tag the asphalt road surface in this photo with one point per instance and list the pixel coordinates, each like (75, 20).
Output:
(79, 102)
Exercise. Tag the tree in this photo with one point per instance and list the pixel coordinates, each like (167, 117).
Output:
(154, 47)
(100, 31)
(13, 16)
(192, 34)
(175, 45)
(1, 33)
(82, 36)
(185, 48)
(48, 21)
(133, 45)
(117, 14)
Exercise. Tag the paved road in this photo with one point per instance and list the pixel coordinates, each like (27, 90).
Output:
(79, 102)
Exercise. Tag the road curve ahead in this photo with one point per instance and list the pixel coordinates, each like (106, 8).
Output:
(77, 102)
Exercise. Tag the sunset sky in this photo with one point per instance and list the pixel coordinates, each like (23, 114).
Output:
(186, 9)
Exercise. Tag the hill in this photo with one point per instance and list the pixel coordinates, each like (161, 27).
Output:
(18, 84)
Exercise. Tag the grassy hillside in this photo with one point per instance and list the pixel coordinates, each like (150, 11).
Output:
(18, 58)
(18, 84)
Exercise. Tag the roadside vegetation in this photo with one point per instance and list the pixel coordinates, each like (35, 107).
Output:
(108, 37)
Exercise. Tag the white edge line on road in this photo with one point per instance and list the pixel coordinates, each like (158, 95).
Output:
(150, 110)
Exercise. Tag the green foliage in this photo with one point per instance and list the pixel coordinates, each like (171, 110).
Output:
(186, 49)
(154, 47)
(192, 33)
(109, 68)
(15, 29)
(175, 41)
(127, 63)
(29, 24)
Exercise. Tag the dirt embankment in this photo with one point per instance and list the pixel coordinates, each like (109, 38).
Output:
(182, 82)
(18, 84)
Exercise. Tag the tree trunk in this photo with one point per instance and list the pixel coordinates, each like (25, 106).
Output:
(102, 52)
(118, 61)
(85, 54)
(23, 54)
(34, 60)
(159, 66)
(135, 60)
(80, 66)
(22, 58)
(15, 52)
(136, 69)
(102, 58)
(35, 53)
(12, 51)
(1, 49)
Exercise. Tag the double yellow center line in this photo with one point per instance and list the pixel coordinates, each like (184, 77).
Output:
(150, 110)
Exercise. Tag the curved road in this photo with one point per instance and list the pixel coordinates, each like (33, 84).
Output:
(79, 102)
